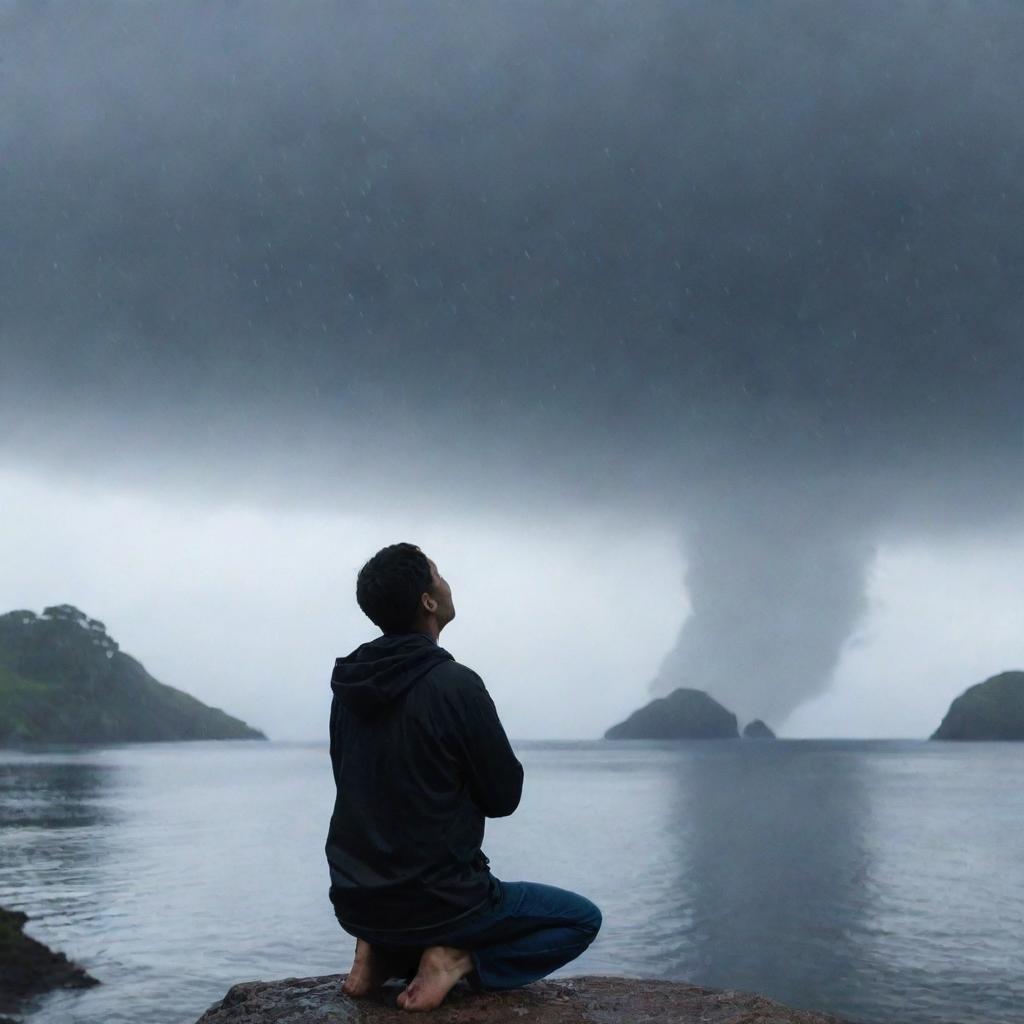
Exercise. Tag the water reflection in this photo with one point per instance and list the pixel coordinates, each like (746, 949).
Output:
(774, 871)
(52, 794)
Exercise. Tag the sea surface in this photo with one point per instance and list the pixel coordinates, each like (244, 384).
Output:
(879, 881)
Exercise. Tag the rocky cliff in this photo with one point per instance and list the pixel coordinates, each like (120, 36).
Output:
(63, 679)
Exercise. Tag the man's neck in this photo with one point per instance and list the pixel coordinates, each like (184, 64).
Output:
(428, 629)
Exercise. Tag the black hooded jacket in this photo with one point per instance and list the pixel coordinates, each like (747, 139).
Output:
(420, 759)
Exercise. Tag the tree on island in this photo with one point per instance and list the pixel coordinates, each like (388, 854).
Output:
(65, 613)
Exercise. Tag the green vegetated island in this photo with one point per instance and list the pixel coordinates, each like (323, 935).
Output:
(64, 680)
(992, 710)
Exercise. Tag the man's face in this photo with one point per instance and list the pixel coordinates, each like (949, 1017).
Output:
(442, 594)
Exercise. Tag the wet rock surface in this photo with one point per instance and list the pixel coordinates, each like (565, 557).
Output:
(28, 968)
(583, 1000)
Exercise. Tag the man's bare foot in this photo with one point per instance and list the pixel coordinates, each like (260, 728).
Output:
(369, 971)
(440, 968)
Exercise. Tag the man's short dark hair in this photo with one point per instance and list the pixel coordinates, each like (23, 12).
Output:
(389, 587)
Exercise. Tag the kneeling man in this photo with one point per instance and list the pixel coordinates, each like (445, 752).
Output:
(420, 759)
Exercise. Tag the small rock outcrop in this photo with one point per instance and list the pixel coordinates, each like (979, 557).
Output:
(757, 730)
(28, 968)
(64, 679)
(682, 715)
(583, 1000)
(992, 710)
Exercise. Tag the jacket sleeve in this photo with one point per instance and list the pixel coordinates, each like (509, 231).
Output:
(492, 770)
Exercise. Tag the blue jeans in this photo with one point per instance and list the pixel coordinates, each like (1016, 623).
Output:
(527, 933)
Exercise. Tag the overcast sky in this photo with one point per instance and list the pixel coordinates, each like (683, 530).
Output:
(687, 338)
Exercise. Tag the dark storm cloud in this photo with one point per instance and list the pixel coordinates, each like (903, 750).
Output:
(652, 248)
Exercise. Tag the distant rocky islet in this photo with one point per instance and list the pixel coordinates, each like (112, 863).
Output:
(683, 714)
(757, 730)
(63, 679)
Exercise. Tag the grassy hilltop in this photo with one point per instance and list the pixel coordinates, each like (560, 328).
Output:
(64, 680)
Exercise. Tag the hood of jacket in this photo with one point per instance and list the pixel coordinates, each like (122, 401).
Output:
(377, 673)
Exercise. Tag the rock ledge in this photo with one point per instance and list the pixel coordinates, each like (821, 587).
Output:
(28, 968)
(584, 1000)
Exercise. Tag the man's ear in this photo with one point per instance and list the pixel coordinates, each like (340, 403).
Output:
(429, 603)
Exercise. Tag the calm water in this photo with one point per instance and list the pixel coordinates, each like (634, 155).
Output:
(882, 881)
